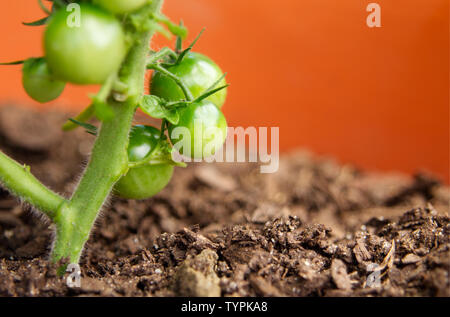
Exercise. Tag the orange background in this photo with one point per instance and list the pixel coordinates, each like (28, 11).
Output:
(376, 97)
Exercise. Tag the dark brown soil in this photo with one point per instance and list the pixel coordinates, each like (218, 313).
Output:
(315, 228)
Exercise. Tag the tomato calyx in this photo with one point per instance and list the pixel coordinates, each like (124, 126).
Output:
(160, 108)
(162, 154)
(149, 146)
(167, 58)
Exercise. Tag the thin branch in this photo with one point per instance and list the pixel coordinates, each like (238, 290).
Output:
(18, 179)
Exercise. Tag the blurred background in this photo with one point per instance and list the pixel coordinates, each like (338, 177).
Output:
(374, 97)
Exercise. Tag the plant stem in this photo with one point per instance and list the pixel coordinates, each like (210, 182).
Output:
(18, 179)
(109, 160)
(165, 51)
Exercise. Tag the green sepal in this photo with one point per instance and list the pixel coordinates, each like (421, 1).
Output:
(209, 93)
(91, 129)
(37, 22)
(190, 47)
(13, 63)
(212, 89)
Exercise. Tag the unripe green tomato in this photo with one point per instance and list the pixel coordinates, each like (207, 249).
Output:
(144, 181)
(202, 130)
(198, 72)
(121, 6)
(87, 53)
(38, 82)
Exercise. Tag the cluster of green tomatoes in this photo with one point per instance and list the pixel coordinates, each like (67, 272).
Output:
(90, 52)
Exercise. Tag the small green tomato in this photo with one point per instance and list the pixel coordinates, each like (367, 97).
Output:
(201, 131)
(198, 72)
(147, 180)
(84, 53)
(38, 82)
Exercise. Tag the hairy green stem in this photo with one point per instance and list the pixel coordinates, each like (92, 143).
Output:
(109, 160)
(18, 179)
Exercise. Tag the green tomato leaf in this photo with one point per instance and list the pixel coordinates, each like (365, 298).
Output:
(152, 105)
(156, 107)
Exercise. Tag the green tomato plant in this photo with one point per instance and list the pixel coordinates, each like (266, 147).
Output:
(110, 45)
